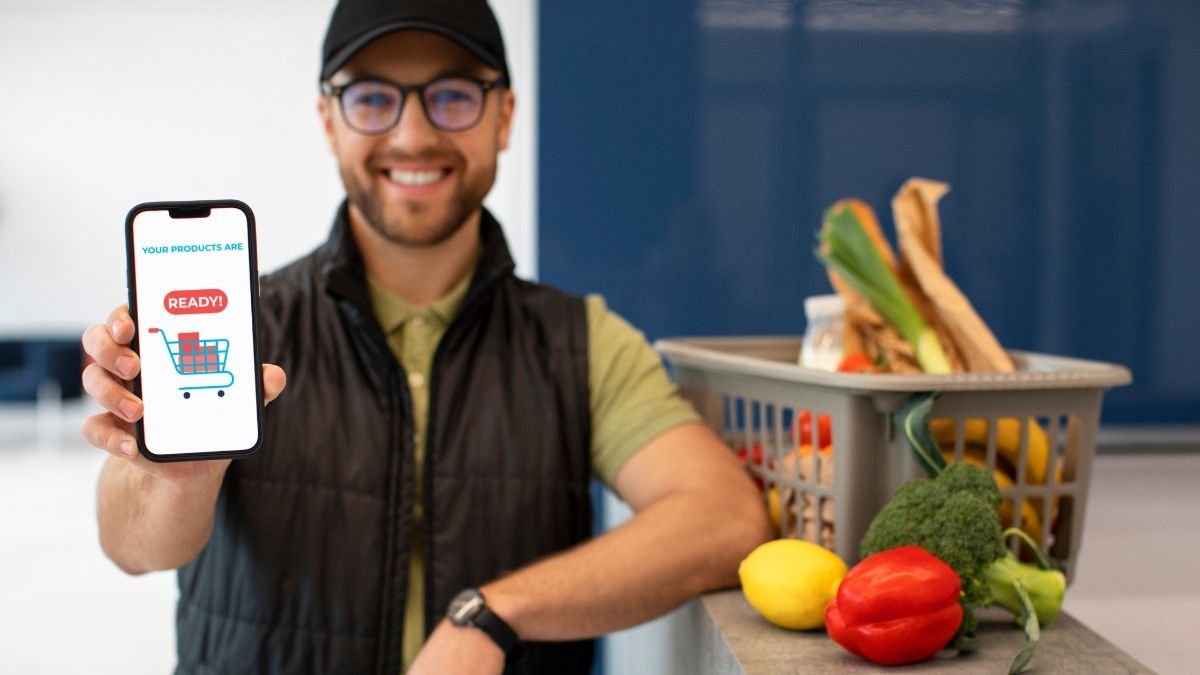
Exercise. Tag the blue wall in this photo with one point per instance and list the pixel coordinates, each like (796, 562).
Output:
(689, 148)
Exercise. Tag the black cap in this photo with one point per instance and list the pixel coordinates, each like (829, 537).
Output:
(355, 23)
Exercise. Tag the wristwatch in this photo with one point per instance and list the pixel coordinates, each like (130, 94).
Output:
(469, 608)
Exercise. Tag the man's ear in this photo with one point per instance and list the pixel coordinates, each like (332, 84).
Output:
(325, 110)
(508, 102)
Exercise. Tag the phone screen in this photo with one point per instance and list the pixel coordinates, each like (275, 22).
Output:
(192, 296)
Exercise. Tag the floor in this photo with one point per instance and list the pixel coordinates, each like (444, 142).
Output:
(65, 609)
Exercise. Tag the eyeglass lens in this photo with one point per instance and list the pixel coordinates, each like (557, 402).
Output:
(451, 104)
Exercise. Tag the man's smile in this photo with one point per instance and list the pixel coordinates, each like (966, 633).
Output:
(416, 178)
(416, 182)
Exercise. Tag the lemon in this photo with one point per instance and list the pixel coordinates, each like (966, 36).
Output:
(790, 582)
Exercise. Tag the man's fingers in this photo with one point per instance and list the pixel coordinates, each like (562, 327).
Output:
(109, 433)
(111, 393)
(120, 325)
(274, 380)
(112, 356)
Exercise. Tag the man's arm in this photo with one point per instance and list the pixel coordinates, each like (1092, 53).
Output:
(697, 515)
(152, 516)
(149, 523)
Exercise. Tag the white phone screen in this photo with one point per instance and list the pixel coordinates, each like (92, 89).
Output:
(193, 286)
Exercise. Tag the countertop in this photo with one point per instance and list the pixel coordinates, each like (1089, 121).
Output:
(734, 640)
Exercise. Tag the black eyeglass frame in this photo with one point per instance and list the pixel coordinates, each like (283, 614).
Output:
(336, 91)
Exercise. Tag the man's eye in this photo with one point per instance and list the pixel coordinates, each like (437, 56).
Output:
(375, 99)
(450, 97)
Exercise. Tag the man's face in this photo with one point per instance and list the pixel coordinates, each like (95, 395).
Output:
(416, 185)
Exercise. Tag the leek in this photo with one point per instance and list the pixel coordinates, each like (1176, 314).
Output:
(846, 247)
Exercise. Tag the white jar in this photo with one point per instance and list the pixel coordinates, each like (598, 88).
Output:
(821, 347)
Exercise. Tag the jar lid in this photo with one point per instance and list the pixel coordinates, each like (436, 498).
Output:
(824, 306)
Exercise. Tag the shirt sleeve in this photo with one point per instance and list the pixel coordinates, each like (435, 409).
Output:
(632, 399)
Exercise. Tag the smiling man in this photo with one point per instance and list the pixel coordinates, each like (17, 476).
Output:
(421, 498)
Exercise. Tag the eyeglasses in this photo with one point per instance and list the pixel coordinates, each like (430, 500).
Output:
(373, 106)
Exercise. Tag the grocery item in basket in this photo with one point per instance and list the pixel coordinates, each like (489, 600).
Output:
(790, 582)
(857, 362)
(752, 455)
(804, 429)
(1037, 466)
(821, 346)
(852, 255)
(918, 231)
(895, 607)
(811, 516)
(905, 313)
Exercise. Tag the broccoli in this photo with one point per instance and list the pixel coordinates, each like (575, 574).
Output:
(953, 516)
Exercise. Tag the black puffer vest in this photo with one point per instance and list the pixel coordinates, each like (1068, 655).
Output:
(307, 567)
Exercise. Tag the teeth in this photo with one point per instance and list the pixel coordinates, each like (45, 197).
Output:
(415, 178)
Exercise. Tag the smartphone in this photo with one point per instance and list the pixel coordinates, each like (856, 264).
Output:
(193, 295)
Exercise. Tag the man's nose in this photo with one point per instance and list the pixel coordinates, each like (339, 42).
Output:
(414, 127)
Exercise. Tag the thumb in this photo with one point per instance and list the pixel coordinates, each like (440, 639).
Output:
(274, 380)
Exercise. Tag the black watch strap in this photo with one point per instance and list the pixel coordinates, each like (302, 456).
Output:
(470, 608)
(500, 632)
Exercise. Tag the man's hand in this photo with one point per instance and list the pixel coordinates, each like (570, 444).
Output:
(458, 649)
(108, 381)
(151, 515)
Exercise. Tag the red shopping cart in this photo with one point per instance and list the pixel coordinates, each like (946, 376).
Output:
(202, 362)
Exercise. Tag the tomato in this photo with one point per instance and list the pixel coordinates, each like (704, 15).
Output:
(753, 455)
(857, 362)
(824, 429)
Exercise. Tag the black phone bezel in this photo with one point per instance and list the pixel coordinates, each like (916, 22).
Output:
(196, 209)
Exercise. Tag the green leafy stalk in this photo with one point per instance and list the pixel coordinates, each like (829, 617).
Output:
(1042, 561)
(1033, 630)
(846, 247)
(912, 421)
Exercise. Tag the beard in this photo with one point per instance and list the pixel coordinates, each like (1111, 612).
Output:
(441, 227)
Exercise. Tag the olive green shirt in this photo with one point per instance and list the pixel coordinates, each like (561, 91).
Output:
(631, 401)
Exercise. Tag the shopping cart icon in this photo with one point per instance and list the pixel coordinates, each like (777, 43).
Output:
(201, 361)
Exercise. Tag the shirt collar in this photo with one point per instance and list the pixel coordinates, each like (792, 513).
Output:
(393, 311)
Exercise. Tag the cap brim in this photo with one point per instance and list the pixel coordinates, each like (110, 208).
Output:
(347, 52)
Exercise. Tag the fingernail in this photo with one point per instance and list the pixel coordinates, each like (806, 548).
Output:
(129, 409)
(112, 328)
(125, 366)
(128, 449)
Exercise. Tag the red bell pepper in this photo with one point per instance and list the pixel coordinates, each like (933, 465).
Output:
(895, 607)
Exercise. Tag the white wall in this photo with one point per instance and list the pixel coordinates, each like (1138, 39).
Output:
(104, 105)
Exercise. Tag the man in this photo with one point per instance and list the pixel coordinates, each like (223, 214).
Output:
(421, 499)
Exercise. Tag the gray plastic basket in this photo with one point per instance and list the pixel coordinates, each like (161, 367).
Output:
(751, 392)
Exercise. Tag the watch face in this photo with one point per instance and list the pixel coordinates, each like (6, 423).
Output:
(464, 607)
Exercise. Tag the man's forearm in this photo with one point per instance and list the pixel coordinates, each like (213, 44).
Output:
(676, 548)
(148, 523)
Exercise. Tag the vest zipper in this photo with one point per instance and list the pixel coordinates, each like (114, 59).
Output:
(431, 616)
(399, 531)
(399, 401)
(475, 293)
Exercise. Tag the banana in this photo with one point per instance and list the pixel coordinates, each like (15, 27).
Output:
(1008, 443)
